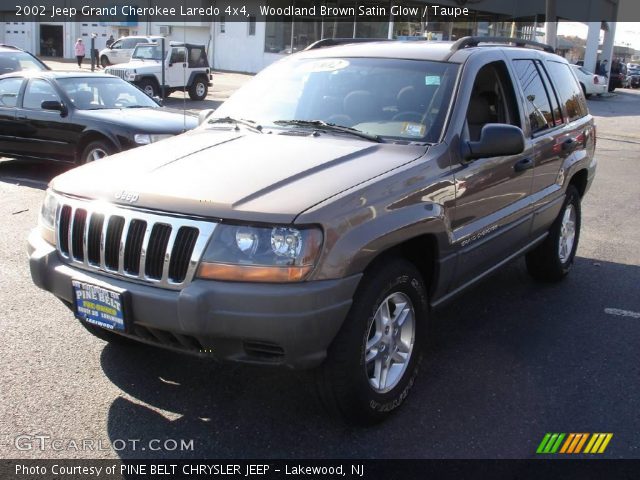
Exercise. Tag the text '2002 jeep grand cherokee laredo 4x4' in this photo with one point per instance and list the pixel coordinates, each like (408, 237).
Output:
(315, 218)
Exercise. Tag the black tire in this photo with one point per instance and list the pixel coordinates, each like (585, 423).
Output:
(106, 335)
(95, 151)
(199, 88)
(545, 262)
(149, 87)
(104, 61)
(343, 380)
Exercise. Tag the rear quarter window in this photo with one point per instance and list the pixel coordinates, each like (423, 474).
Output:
(568, 89)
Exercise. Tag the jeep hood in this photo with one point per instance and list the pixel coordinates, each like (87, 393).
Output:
(236, 174)
(151, 64)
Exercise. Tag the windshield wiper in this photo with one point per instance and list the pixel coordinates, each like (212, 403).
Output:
(330, 127)
(238, 121)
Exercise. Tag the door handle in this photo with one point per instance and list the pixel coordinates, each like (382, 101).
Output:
(522, 165)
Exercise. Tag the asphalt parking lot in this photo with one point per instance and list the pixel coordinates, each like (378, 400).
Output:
(512, 359)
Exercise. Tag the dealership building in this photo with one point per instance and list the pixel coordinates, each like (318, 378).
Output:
(249, 46)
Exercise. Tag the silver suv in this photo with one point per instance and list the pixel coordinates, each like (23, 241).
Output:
(321, 214)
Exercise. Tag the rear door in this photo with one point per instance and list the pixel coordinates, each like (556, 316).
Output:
(559, 128)
(9, 131)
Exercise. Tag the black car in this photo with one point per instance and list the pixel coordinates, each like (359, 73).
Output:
(79, 117)
(14, 59)
(633, 76)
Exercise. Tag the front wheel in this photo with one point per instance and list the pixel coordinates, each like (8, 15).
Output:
(150, 88)
(104, 61)
(374, 360)
(198, 89)
(96, 151)
(552, 259)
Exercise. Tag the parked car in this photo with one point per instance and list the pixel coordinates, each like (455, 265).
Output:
(618, 77)
(322, 213)
(633, 75)
(591, 83)
(122, 49)
(14, 59)
(79, 118)
(186, 67)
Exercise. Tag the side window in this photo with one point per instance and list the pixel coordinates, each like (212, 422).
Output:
(198, 58)
(178, 55)
(130, 43)
(117, 45)
(492, 100)
(9, 90)
(37, 92)
(537, 99)
(553, 95)
(569, 90)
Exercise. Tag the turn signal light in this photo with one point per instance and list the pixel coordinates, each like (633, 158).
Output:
(253, 273)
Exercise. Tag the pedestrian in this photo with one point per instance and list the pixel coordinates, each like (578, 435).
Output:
(604, 68)
(110, 41)
(80, 52)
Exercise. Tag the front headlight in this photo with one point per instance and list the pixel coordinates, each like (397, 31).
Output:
(47, 218)
(260, 254)
(146, 138)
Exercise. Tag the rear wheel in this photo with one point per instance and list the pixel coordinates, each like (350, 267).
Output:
(552, 259)
(584, 90)
(199, 89)
(374, 360)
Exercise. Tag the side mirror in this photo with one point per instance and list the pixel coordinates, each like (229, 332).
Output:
(496, 140)
(158, 100)
(55, 106)
(204, 114)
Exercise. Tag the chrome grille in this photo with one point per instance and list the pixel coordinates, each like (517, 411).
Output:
(118, 72)
(151, 248)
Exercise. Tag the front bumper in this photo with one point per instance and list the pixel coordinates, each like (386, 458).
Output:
(290, 325)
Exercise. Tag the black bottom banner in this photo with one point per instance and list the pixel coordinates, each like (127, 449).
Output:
(320, 469)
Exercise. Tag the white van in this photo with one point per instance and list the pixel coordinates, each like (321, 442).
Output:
(122, 49)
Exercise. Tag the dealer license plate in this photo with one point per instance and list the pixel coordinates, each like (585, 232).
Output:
(99, 306)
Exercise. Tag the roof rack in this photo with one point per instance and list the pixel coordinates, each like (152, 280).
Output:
(331, 42)
(466, 42)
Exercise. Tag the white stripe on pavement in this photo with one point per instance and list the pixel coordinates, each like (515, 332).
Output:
(621, 313)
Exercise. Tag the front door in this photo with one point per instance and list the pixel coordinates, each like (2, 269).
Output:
(44, 133)
(492, 214)
(176, 74)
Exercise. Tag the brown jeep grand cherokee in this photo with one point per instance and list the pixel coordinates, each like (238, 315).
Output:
(316, 218)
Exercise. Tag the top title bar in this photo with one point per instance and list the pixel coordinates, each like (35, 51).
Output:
(172, 11)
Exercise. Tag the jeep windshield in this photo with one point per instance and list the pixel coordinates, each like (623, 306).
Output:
(392, 99)
(147, 52)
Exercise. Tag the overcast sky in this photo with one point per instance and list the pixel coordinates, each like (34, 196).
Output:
(626, 32)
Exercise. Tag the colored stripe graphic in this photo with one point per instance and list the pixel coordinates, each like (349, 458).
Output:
(553, 443)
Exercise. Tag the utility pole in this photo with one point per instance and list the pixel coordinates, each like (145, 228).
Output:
(551, 25)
